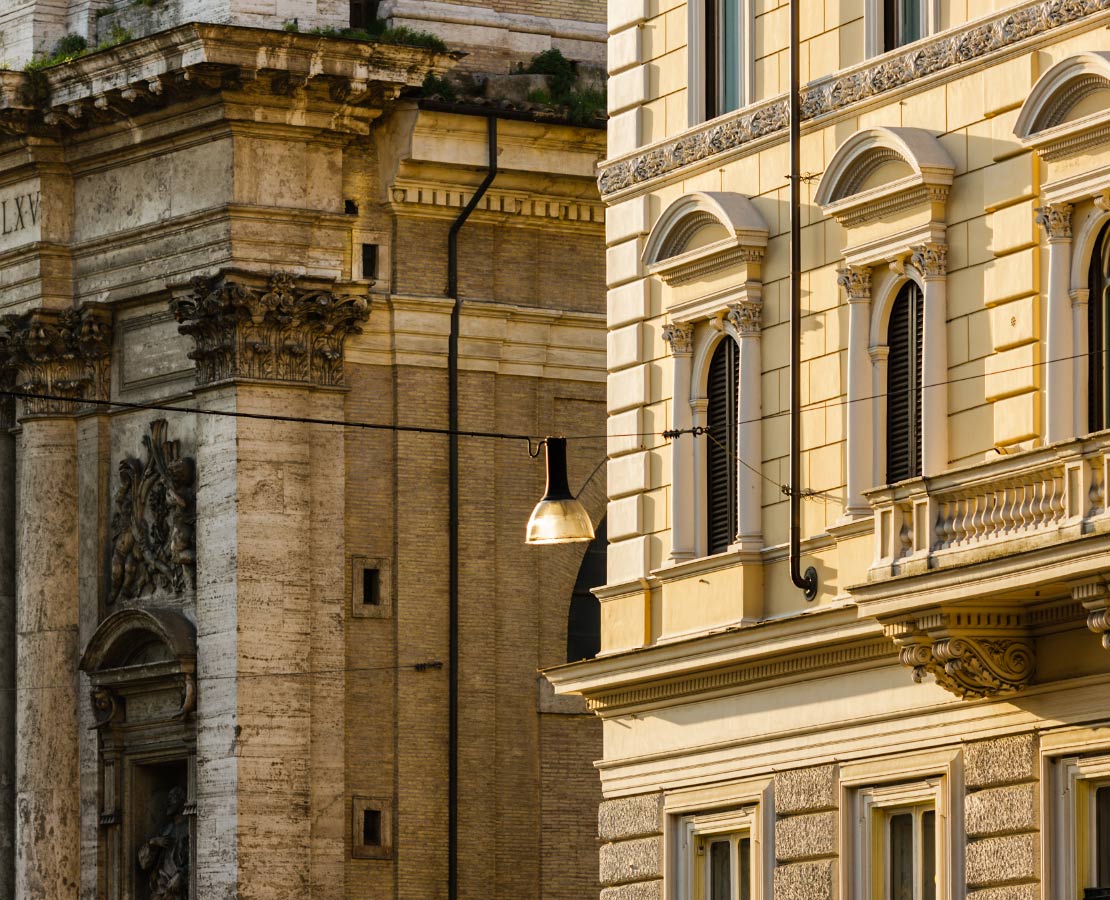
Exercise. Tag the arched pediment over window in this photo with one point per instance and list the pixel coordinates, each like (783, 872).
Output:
(882, 171)
(703, 233)
(1068, 110)
(141, 651)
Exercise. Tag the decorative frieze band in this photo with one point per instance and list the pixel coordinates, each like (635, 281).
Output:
(282, 331)
(836, 92)
(1056, 220)
(62, 354)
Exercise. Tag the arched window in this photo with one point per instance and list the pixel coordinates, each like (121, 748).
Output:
(903, 391)
(1098, 334)
(721, 449)
(584, 619)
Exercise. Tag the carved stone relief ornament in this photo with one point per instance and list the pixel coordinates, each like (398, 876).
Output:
(63, 355)
(970, 653)
(153, 543)
(679, 336)
(856, 281)
(740, 319)
(931, 260)
(282, 331)
(1056, 220)
(837, 92)
(1095, 597)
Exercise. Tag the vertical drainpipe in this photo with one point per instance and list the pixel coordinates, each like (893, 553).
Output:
(807, 582)
(453, 514)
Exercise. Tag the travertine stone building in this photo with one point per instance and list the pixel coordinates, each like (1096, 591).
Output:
(225, 661)
(933, 724)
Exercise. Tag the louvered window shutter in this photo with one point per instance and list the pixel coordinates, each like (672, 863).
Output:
(903, 386)
(1097, 344)
(724, 378)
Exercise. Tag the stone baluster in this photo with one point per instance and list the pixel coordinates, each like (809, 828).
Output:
(62, 356)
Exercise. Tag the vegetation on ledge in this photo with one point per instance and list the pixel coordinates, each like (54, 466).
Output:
(379, 33)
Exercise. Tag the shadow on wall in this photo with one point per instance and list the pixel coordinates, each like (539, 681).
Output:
(584, 618)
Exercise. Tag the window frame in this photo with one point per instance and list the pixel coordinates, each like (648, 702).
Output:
(915, 351)
(731, 449)
(698, 93)
(702, 829)
(875, 23)
(1068, 835)
(880, 803)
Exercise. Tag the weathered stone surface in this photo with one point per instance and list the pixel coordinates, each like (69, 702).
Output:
(643, 890)
(627, 861)
(1000, 761)
(805, 881)
(1002, 859)
(806, 836)
(1002, 810)
(1011, 892)
(630, 817)
(805, 790)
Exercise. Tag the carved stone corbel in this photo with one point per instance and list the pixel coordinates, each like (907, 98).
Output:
(277, 331)
(972, 653)
(1095, 597)
(62, 356)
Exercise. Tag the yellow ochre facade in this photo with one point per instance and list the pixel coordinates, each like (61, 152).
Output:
(933, 724)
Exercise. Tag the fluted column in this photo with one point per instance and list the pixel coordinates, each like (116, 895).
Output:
(743, 322)
(1060, 420)
(62, 355)
(271, 817)
(856, 281)
(931, 260)
(679, 337)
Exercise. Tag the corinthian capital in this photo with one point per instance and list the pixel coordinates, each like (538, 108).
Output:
(745, 317)
(62, 355)
(856, 281)
(679, 337)
(1056, 220)
(277, 331)
(931, 260)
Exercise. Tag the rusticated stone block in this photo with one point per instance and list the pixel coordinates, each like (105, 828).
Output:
(1000, 761)
(626, 861)
(805, 790)
(806, 836)
(642, 890)
(1002, 859)
(804, 881)
(1010, 892)
(1002, 810)
(629, 817)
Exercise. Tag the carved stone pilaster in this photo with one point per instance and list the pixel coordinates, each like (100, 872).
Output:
(931, 260)
(856, 281)
(277, 331)
(61, 355)
(970, 653)
(1055, 219)
(1095, 597)
(679, 336)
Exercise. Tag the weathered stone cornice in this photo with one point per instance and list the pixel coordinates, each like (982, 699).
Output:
(198, 58)
(971, 653)
(891, 72)
(62, 354)
(278, 330)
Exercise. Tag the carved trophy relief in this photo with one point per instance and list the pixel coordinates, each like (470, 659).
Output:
(153, 541)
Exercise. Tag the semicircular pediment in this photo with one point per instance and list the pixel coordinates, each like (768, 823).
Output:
(878, 171)
(1069, 106)
(132, 637)
(704, 231)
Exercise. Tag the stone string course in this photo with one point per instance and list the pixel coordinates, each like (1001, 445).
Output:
(838, 92)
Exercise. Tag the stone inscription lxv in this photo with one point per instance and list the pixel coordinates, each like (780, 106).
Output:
(20, 212)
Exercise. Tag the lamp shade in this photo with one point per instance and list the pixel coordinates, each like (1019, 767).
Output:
(558, 518)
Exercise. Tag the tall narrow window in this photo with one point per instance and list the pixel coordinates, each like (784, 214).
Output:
(903, 388)
(721, 450)
(909, 858)
(717, 856)
(723, 29)
(363, 12)
(903, 22)
(1098, 339)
